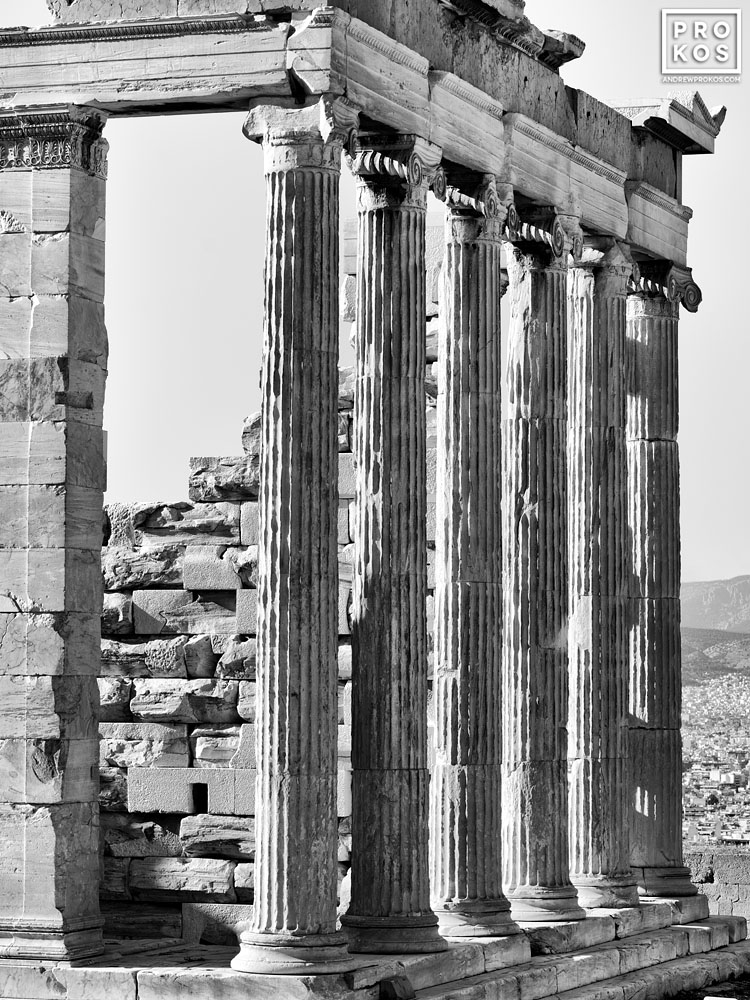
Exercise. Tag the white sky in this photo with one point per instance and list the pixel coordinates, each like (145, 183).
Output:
(185, 220)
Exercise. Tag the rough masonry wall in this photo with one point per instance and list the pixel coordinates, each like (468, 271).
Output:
(722, 874)
(177, 688)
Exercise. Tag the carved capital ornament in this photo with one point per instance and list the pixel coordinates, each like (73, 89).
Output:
(54, 139)
(672, 281)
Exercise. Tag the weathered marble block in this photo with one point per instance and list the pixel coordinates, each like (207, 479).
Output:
(175, 612)
(49, 644)
(68, 453)
(220, 567)
(247, 612)
(215, 923)
(252, 434)
(347, 476)
(137, 837)
(245, 756)
(181, 878)
(249, 524)
(187, 523)
(142, 921)
(114, 698)
(221, 479)
(117, 616)
(188, 790)
(158, 658)
(238, 660)
(51, 388)
(113, 789)
(50, 580)
(49, 707)
(48, 771)
(200, 700)
(143, 744)
(246, 701)
(200, 659)
(214, 746)
(48, 864)
(224, 836)
(244, 882)
(114, 879)
(50, 517)
(128, 569)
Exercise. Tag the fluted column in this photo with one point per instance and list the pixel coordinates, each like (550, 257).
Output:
(390, 904)
(655, 660)
(466, 780)
(535, 598)
(293, 928)
(599, 560)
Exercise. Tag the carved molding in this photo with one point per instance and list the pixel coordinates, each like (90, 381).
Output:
(379, 42)
(54, 35)
(565, 148)
(466, 93)
(48, 140)
(658, 198)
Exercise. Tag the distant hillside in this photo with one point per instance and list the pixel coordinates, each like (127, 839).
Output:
(711, 653)
(717, 604)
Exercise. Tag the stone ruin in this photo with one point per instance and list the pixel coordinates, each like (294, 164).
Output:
(276, 817)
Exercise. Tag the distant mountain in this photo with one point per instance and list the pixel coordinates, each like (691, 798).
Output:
(717, 604)
(711, 653)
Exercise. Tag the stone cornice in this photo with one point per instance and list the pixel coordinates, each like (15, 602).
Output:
(655, 197)
(78, 34)
(466, 93)
(525, 126)
(378, 42)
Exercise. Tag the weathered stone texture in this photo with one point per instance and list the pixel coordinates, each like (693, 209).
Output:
(535, 612)
(194, 701)
(599, 580)
(143, 744)
(180, 878)
(295, 860)
(220, 479)
(466, 780)
(655, 645)
(137, 837)
(227, 836)
(390, 903)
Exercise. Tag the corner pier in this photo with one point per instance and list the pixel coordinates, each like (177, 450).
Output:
(477, 858)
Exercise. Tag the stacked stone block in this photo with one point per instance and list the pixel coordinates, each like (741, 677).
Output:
(177, 754)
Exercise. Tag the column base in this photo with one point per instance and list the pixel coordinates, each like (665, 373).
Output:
(476, 918)
(394, 935)
(664, 881)
(291, 955)
(541, 905)
(53, 944)
(606, 892)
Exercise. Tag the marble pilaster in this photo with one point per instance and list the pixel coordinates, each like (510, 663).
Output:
(390, 902)
(535, 599)
(293, 929)
(599, 578)
(53, 346)
(655, 646)
(466, 784)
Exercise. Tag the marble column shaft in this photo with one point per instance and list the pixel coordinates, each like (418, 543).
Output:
(655, 646)
(294, 916)
(599, 585)
(54, 349)
(535, 598)
(466, 780)
(390, 902)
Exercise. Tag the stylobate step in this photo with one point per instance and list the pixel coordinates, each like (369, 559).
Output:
(562, 974)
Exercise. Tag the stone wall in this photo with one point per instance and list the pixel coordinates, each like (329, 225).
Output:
(177, 690)
(722, 874)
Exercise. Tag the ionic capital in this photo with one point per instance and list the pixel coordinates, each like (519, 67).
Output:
(54, 138)
(608, 258)
(475, 210)
(396, 169)
(537, 227)
(672, 281)
(296, 136)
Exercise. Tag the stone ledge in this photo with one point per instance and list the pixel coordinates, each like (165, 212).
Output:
(652, 961)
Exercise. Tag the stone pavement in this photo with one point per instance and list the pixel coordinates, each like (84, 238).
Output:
(611, 955)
